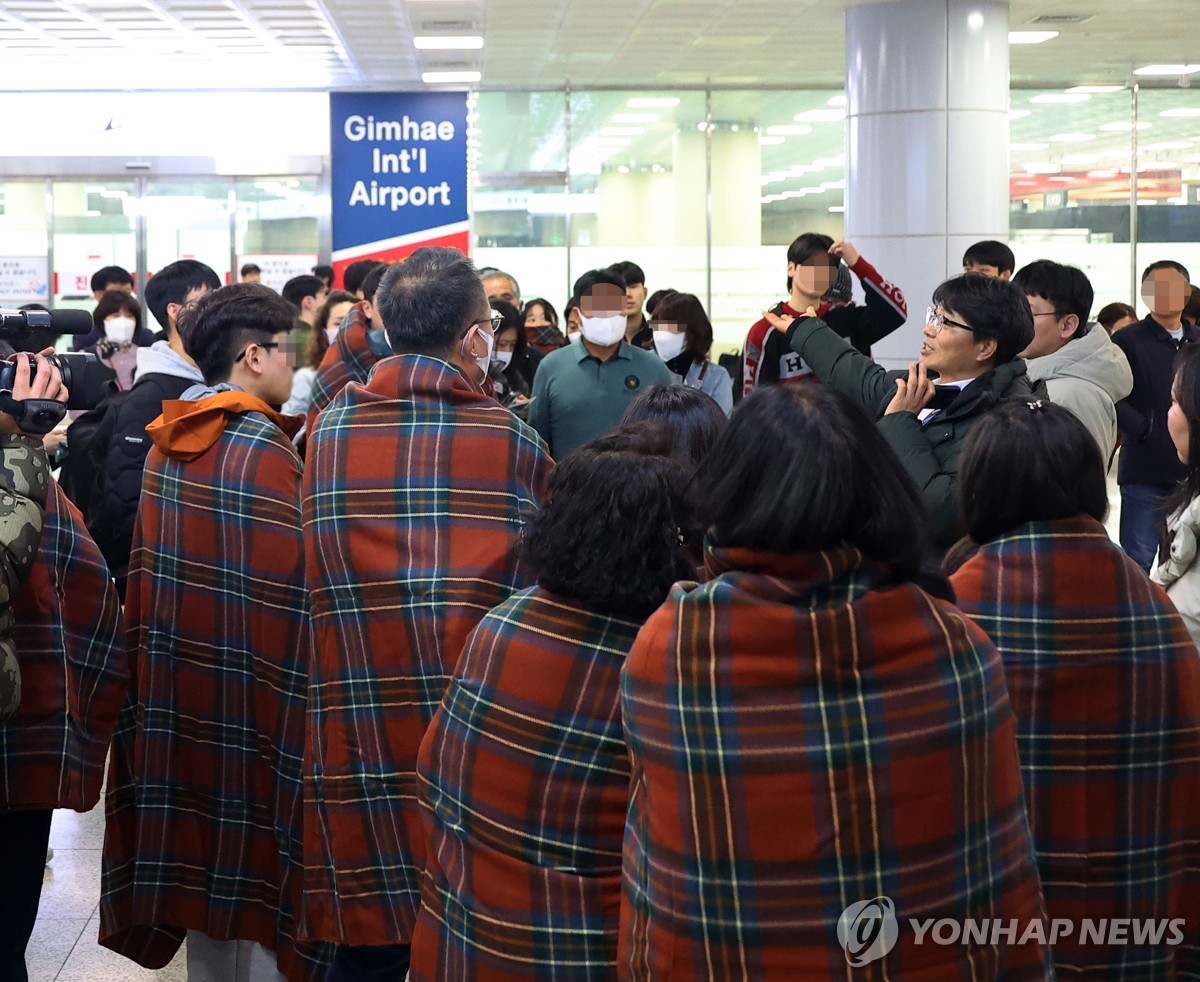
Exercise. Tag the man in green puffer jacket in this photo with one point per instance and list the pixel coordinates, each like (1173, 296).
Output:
(973, 334)
(24, 483)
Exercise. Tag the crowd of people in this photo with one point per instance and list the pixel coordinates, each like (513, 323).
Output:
(426, 634)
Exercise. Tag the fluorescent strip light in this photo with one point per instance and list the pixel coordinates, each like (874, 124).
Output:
(1123, 127)
(820, 116)
(837, 209)
(1060, 98)
(771, 141)
(644, 102)
(1030, 37)
(789, 129)
(433, 78)
(1167, 70)
(461, 43)
(636, 117)
(1072, 137)
(837, 100)
(1096, 89)
(1186, 112)
(1019, 113)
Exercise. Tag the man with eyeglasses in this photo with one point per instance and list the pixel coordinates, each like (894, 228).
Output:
(204, 823)
(416, 487)
(974, 333)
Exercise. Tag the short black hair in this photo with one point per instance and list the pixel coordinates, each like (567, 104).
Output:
(1029, 461)
(593, 278)
(370, 283)
(173, 283)
(427, 302)
(996, 309)
(809, 244)
(248, 268)
(1113, 312)
(547, 309)
(298, 287)
(511, 319)
(1185, 390)
(324, 272)
(803, 468)
(1066, 288)
(356, 272)
(1166, 264)
(686, 309)
(691, 417)
(110, 274)
(113, 302)
(656, 298)
(989, 252)
(630, 272)
(1191, 310)
(222, 322)
(611, 531)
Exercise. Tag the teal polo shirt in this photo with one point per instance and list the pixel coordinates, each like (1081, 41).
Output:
(577, 398)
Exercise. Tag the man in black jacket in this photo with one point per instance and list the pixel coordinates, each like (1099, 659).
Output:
(118, 448)
(1149, 468)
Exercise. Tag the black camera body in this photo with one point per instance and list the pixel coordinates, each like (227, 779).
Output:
(82, 374)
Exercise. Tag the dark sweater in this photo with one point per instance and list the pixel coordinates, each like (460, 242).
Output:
(1147, 453)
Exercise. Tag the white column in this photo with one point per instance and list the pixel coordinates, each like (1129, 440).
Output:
(927, 143)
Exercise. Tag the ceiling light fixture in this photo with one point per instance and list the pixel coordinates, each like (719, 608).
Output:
(636, 117)
(1060, 98)
(820, 116)
(435, 78)
(1096, 89)
(655, 102)
(788, 129)
(1123, 127)
(1019, 113)
(1184, 112)
(837, 100)
(1030, 37)
(771, 141)
(460, 43)
(1072, 137)
(1167, 70)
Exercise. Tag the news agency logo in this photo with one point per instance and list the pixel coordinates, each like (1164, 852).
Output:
(868, 930)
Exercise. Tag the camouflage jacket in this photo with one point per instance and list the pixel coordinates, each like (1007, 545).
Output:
(24, 482)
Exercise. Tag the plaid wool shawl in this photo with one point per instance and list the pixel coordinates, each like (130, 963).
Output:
(69, 637)
(807, 734)
(1105, 683)
(415, 492)
(524, 781)
(203, 806)
(348, 359)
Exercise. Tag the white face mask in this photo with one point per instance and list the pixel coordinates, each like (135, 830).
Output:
(669, 344)
(504, 357)
(604, 331)
(483, 361)
(120, 330)
(573, 336)
(331, 333)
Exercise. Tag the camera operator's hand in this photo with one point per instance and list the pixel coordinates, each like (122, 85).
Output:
(46, 383)
(912, 394)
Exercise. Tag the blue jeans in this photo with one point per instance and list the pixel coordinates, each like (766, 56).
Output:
(1142, 507)
(363, 963)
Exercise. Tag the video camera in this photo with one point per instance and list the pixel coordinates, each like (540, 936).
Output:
(82, 374)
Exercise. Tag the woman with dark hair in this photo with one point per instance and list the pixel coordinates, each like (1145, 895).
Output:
(519, 360)
(540, 322)
(1176, 569)
(523, 773)
(118, 316)
(326, 323)
(1116, 316)
(1105, 685)
(683, 338)
(811, 729)
(692, 418)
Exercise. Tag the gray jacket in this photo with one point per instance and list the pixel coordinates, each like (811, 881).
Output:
(1089, 376)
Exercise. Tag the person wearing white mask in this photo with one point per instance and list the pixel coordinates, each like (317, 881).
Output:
(683, 338)
(514, 361)
(118, 316)
(582, 391)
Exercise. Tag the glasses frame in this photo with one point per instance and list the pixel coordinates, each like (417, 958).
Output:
(259, 344)
(941, 320)
(496, 320)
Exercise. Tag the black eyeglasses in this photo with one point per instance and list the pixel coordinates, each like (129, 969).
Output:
(261, 344)
(495, 320)
(941, 320)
